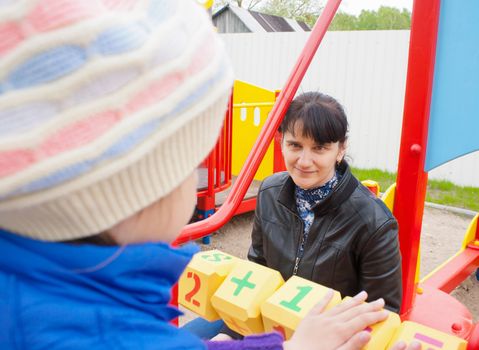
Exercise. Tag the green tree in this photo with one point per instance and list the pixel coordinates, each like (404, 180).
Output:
(368, 20)
(383, 19)
(247, 4)
(302, 10)
(344, 21)
(393, 18)
(308, 11)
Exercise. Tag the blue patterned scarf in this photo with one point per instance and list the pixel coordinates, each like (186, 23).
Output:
(307, 199)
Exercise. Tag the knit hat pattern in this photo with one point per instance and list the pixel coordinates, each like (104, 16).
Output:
(106, 106)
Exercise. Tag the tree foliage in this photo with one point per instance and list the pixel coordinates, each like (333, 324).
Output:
(308, 11)
(247, 4)
(302, 10)
(384, 18)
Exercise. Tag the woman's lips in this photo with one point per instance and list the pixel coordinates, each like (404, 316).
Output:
(308, 172)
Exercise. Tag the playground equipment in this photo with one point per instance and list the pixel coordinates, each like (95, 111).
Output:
(248, 112)
(440, 104)
(252, 299)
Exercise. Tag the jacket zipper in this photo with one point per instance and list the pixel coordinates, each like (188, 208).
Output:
(301, 244)
(296, 265)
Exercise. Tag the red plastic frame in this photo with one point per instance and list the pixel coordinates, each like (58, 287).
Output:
(412, 179)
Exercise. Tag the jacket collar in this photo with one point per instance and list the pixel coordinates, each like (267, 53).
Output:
(340, 193)
(137, 276)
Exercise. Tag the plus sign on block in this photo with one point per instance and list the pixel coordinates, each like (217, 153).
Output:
(201, 279)
(287, 307)
(239, 298)
(382, 332)
(429, 338)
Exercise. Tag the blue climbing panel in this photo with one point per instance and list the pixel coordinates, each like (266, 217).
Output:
(454, 119)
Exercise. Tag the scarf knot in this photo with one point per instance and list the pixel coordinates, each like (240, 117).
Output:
(307, 199)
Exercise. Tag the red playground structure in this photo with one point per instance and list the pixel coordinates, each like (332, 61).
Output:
(440, 108)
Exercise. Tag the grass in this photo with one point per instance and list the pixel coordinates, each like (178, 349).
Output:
(438, 191)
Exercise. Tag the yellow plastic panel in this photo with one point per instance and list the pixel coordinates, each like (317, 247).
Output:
(239, 298)
(388, 197)
(289, 305)
(430, 338)
(251, 106)
(205, 3)
(373, 186)
(470, 235)
(200, 280)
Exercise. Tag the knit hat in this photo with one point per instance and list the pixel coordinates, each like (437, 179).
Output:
(106, 106)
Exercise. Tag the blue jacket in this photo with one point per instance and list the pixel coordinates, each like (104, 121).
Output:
(60, 296)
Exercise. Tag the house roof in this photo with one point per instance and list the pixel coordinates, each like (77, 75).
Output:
(261, 22)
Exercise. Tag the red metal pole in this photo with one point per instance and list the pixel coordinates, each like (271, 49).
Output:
(412, 179)
(239, 188)
(278, 160)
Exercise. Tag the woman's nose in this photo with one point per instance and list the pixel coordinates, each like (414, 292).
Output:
(305, 159)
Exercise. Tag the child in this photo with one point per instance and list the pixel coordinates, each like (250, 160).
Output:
(106, 109)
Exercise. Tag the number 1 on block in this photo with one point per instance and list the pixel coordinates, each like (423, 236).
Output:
(285, 308)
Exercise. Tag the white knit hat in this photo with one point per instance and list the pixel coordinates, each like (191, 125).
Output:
(105, 107)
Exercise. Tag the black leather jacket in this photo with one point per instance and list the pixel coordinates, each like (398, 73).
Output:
(352, 244)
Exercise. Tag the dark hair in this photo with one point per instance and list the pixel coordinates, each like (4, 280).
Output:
(321, 116)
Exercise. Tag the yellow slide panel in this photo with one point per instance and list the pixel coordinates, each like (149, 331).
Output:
(251, 107)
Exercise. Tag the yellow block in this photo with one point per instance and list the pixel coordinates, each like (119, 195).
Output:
(201, 279)
(239, 298)
(251, 107)
(289, 305)
(382, 332)
(430, 338)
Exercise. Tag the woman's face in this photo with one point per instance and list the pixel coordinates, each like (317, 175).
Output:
(310, 165)
(162, 220)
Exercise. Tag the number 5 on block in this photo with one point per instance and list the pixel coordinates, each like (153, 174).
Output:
(201, 279)
(284, 310)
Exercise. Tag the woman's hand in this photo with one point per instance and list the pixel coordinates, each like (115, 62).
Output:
(340, 328)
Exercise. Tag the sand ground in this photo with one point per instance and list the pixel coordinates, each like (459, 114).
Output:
(442, 234)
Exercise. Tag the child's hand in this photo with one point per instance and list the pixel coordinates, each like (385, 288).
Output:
(224, 337)
(340, 328)
(400, 345)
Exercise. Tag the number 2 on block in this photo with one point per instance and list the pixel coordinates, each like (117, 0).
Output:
(196, 288)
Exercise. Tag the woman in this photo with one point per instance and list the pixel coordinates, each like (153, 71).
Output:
(316, 220)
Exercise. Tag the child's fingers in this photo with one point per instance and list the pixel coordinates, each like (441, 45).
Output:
(400, 345)
(348, 304)
(360, 309)
(414, 345)
(366, 319)
(356, 342)
(319, 307)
